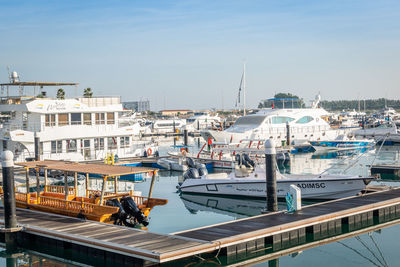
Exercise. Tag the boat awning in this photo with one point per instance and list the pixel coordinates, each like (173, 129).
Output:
(38, 84)
(91, 168)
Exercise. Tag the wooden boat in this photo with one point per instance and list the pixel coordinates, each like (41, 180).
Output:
(108, 207)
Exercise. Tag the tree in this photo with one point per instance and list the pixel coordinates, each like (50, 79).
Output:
(60, 94)
(88, 92)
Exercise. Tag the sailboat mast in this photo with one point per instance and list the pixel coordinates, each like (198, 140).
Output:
(244, 89)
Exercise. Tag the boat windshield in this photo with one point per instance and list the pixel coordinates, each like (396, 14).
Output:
(249, 120)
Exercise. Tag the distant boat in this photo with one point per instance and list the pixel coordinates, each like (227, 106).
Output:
(341, 143)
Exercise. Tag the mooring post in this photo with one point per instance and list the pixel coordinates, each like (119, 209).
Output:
(185, 139)
(87, 184)
(37, 185)
(173, 124)
(66, 185)
(10, 218)
(270, 172)
(153, 178)
(287, 134)
(37, 147)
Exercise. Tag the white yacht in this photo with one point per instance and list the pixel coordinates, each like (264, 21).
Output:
(305, 124)
(168, 126)
(202, 121)
(75, 129)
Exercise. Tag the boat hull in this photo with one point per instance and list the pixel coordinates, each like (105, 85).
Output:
(310, 188)
(335, 145)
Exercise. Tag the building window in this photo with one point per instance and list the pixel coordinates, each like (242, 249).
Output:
(110, 118)
(124, 141)
(71, 145)
(100, 118)
(112, 142)
(76, 118)
(56, 147)
(99, 143)
(87, 118)
(50, 120)
(63, 119)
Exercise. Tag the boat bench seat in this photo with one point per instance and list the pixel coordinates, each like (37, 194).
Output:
(57, 195)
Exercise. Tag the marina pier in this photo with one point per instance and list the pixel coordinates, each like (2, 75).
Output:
(237, 240)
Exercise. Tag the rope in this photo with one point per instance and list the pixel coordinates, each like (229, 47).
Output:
(380, 252)
(359, 253)
(373, 254)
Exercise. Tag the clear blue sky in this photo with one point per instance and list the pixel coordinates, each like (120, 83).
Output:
(189, 54)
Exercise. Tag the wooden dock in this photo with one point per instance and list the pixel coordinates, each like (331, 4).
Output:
(237, 240)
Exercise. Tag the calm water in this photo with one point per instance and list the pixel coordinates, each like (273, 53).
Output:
(377, 248)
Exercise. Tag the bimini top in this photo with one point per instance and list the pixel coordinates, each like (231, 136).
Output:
(92, 168)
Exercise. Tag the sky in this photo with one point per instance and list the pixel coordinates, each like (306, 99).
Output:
(190, 54)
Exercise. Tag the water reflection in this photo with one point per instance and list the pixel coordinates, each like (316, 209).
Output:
(22, 258)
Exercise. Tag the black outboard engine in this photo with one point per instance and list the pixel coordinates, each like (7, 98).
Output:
(190, 163)
(121, 216)
(239, 159)
(132, 209)
(192, 173)
(247, 161)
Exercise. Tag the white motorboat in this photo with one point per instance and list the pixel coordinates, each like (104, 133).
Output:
(253, 184)
(202, 121)
(173, 164)
(167, 126)
(385, 129)
(304, 124)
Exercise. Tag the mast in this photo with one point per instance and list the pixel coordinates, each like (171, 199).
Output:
(244, 88)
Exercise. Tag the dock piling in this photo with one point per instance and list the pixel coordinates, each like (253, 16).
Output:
(37, 147)
(185, 139)
(10, 218)
(287, 134)
(270, 169)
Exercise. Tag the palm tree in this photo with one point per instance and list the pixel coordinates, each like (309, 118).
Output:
(88, 92)
(60, 94)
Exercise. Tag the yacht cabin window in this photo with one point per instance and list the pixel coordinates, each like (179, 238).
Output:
(100, 118)
(281, 119)
(71, 145)
(50, 120)
(112, 142)
(63, 119)
(99, 143)
(249, 121)
(305, 119)
(76, 118)
(87, 118)
(56, 146)
(110, 117)
(124, 141)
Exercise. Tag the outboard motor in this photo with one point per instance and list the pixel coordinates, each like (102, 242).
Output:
(132, 209)
(202, 170)
(120, 217)
(192, 173)
(239, 159)
(190, 163)
(248, 162)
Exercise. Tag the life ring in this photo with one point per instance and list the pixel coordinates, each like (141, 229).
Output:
(149, 152)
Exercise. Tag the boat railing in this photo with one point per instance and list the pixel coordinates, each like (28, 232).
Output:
(59, 189)
(76, 206)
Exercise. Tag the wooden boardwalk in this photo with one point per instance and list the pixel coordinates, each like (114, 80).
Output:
(278, 230)
(136, 243)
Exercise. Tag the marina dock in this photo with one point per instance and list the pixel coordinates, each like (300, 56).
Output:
(237, 240)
